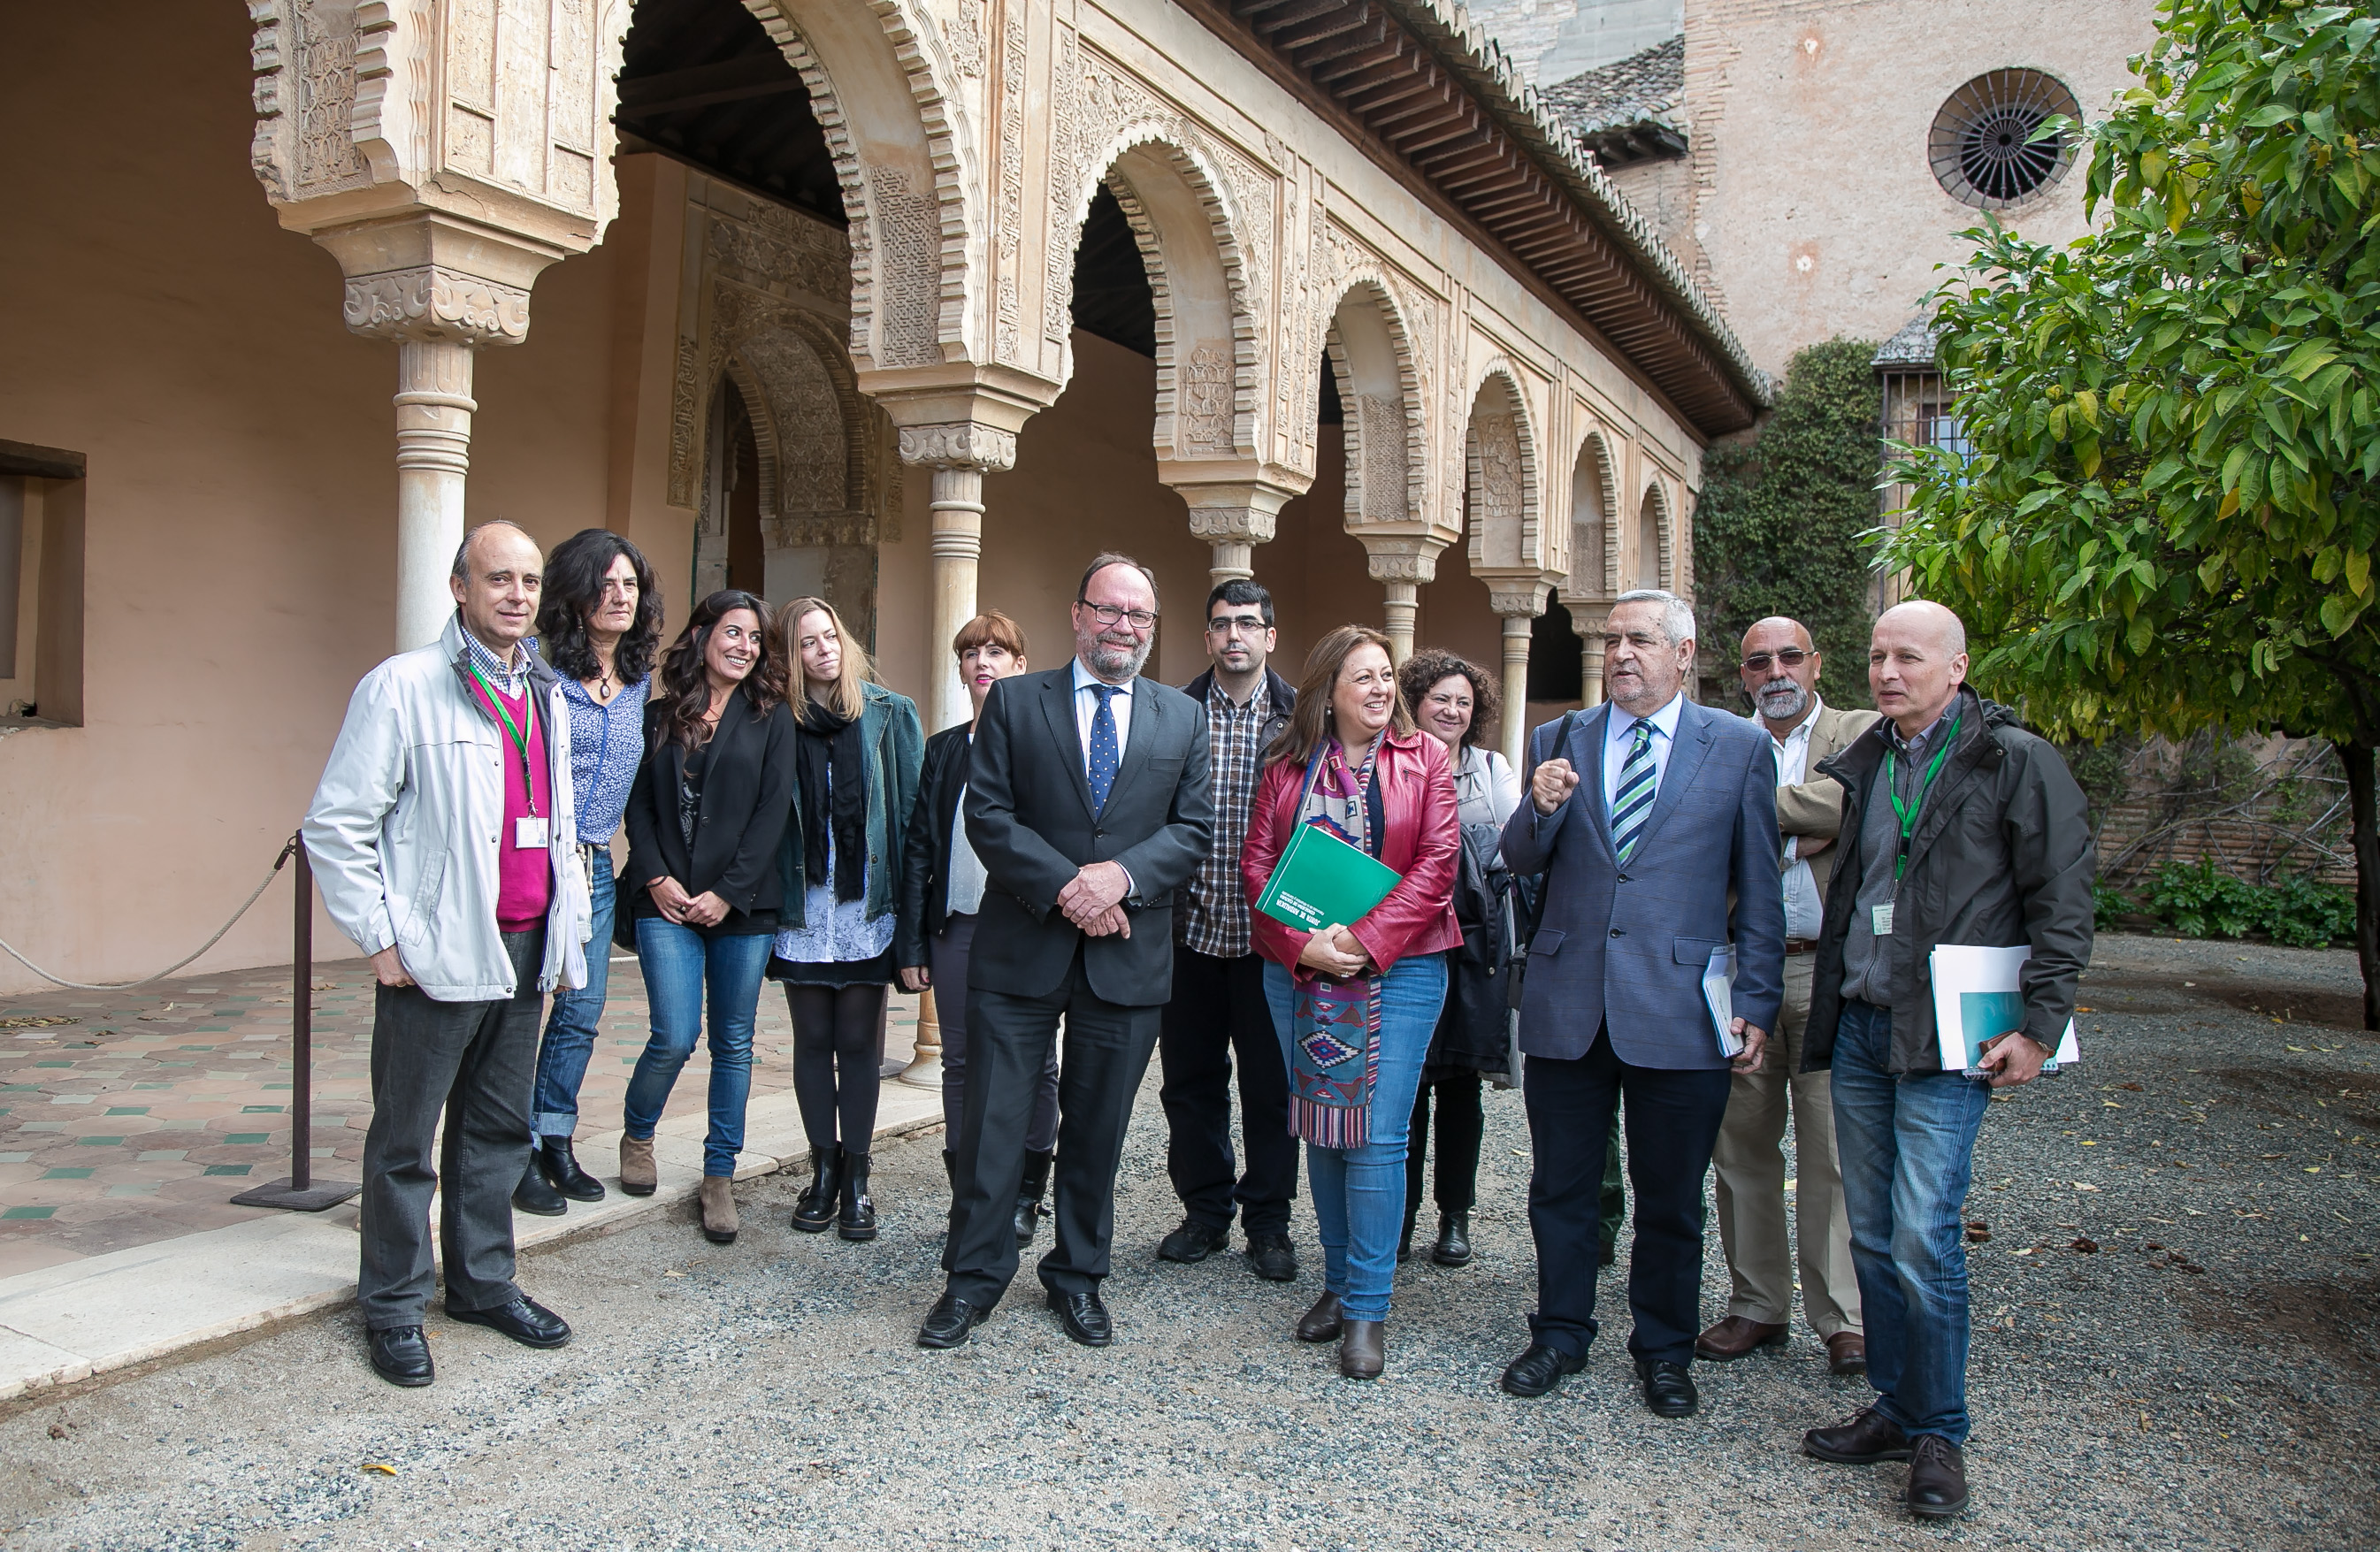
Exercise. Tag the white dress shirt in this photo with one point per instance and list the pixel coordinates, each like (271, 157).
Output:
(1086, 705)
(1620, 733)
(1803, 910)
(966, 874)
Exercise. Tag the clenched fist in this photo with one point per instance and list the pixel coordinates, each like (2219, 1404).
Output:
(1552, 784)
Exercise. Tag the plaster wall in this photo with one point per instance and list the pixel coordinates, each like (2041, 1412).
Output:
(1814, 210)
(240, 508)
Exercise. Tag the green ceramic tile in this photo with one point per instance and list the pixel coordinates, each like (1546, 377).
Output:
(128, 1109)
(226, 1169)
(28, 1212)
(66, 1174)
(259, 1109)
(248, 1137)
(97, 1142)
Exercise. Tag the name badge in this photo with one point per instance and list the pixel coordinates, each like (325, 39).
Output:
(529, 833)
(1879, 917)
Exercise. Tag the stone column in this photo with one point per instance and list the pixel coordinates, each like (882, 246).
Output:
(1234, 517)
(433, 456)
(1586, 616)
(1400, 563)
(1518, 604)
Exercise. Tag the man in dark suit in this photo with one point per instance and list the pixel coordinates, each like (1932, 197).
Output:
(1087, 802)
(1655, 824)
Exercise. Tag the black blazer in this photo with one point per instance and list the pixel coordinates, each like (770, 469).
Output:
(925, 857)
(747, 785)
(1029, 817)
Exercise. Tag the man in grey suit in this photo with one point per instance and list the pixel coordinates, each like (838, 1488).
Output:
(1655, 824)
(1087, 802)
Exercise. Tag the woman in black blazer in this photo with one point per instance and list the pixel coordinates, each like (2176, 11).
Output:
(704, 820)
(940, 887)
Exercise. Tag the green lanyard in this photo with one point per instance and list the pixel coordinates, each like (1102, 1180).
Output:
(1907, 812)
(520, 738)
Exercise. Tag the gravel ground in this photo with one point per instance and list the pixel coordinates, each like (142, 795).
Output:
(2201, 1375)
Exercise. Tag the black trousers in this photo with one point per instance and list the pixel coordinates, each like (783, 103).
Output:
(1673, 1120)
(1106, 1056)
(474, 1063)
(1219, 1012)
(1461, 1122)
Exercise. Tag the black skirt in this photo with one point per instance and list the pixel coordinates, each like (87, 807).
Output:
(834, 973)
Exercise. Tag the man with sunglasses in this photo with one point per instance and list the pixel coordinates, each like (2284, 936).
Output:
(1780, 668)
(1219, 1001)
(1087, 805)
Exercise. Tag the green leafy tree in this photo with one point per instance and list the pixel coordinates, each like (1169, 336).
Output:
(1778, 525)
(2167, 519)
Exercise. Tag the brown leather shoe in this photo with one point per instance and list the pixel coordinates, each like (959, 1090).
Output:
(1363, 1350)
(1866, 1439)
(1938, 1478)
(1847, 1353)
(1734, 1337)
(638, 1176)
(1321, 1323)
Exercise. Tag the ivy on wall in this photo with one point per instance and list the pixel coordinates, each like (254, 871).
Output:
(1778, 528)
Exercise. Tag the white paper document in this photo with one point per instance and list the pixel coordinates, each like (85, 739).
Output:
(1976, 1001)
(1719, 990)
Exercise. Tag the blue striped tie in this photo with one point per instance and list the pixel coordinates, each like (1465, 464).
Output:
(1633, 803)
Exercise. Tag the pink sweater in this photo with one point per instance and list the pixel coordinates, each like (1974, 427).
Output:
(524, 875)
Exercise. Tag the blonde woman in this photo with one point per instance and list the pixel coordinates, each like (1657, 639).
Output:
(855, 786)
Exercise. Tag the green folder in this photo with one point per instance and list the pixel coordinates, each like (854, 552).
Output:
(1322, 882)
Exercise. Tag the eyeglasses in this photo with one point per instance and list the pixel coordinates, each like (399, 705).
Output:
(1109, 615)
(1792, 657)
(1239, 624)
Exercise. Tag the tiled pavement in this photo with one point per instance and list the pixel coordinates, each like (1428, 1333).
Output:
(134, 1117)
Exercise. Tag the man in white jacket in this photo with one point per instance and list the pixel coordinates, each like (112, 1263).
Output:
(443, 836)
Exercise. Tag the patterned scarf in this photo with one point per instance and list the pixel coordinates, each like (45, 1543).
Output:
(1335, 1023)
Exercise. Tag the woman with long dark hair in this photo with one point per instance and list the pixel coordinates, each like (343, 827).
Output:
(1354, 1003)
(1452, 699)
(840, 859)
(598, 626)
(704, 820)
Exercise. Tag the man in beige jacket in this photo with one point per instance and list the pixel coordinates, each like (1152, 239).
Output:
(1780, 668)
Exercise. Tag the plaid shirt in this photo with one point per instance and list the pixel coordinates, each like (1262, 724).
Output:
(1216, 921)
(512, 681)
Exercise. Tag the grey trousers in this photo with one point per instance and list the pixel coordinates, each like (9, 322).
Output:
(475, 1063)
(1750, 1167)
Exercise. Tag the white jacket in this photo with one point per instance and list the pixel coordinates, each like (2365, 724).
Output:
(406, 828)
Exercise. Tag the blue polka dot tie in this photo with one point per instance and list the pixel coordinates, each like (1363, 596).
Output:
(1105, 755)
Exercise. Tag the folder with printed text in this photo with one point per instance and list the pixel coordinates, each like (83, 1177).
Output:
(1322, 882)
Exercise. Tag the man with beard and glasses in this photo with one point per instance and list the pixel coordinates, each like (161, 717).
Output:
(1087, 804)
(1780, 668)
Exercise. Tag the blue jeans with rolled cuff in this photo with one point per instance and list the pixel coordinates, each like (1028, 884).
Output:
(1359, 1193)
(680, 965)
(1907, 1142)
(570, 1028)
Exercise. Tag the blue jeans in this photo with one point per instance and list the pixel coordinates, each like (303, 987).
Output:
(570, 1028)
(1908, 1147)
(678, 964)
(1359, 1193)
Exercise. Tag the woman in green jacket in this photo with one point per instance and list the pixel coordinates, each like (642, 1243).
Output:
(855, 784)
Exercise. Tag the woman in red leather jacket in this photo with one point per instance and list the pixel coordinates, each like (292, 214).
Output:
(1383, 786)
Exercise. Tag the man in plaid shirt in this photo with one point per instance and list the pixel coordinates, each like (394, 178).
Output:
(1218, 1003)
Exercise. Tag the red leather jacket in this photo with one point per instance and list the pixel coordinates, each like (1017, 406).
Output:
(1423, 842)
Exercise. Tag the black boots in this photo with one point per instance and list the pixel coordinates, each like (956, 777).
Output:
(533, 1194)
(1453, 1247)
(857, 1220)
(1030, 1191)
(559, 1165)
(815, 1209)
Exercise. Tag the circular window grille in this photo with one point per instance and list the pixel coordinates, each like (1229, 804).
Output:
(1983, 147)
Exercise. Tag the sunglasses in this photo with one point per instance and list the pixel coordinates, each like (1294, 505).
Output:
(1792, 657)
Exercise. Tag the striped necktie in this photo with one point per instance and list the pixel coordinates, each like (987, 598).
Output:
(1633, 803)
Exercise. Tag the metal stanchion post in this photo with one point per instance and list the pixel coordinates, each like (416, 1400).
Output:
(299, 1192)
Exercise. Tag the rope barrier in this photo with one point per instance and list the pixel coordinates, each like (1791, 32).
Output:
(288, 850)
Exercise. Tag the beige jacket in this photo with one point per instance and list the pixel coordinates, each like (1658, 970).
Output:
(1813, 809)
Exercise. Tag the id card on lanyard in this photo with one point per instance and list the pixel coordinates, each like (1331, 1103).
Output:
(1880, 917)
(533, 831)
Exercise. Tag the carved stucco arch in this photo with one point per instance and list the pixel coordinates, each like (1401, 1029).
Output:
(880, 86)
(862, 486)
(1655, 502)
(1503, 480)
(764, 433)
(1594, 562)
(1208, 366)
(1370, 355)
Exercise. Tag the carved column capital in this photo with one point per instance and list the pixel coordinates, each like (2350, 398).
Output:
(1396, 558)
(433, 302)
(1522, 593)
(959, 444)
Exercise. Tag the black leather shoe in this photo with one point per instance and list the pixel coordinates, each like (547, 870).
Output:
(559, 1165)
(815, 1211)
(1453, 1247)
(1085, 1318)
(1192, 1242)
(1938, 1478)
(1540, 1369)
(525, 1320)
(1030, 1188)
(1669, 1388)
(1272, 1257)
(950, 1322)
(534, 1195)
(856, 1220)
(1866, 1439)
(400, 1356)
